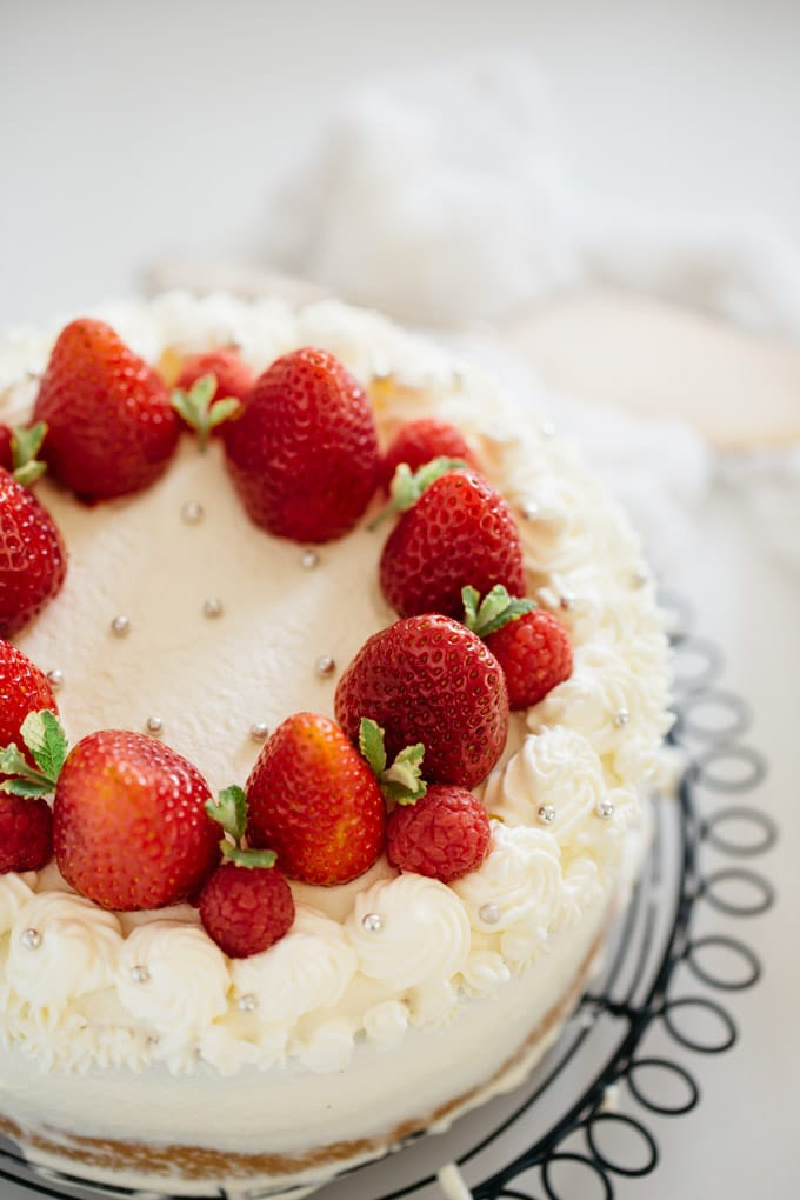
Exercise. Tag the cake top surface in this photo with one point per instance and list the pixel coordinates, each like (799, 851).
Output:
(228, 629)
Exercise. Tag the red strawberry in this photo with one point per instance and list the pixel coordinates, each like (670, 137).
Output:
(460, 531)
(233, 376)
(446, 834)
(23, 689)
(429, 679)
(304, 454)
(535, 653)
(6, 451)
(33, 559)
(130, 826)
(26, 834)
(314, 800)
(246, 910)
(417, 442)
(111, 425)
(246, 905)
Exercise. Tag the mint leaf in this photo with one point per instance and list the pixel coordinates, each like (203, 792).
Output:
(371, 744)
(408, 486)
(230, 811)
(30, 789)
(223, 410)
(402, 782)
(12, 762)
(45, 738)
(25, 445)
(248, 858)
(496, 610)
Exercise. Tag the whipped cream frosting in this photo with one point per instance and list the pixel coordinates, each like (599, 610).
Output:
(389, 954)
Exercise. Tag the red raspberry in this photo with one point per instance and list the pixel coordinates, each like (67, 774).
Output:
(535, 653)
(417, 442)
(246, 909)
(444, 835)
(26, 834)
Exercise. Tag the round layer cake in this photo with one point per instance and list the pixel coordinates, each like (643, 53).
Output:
(132, 1050)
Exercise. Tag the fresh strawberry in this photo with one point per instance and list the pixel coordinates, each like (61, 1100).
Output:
(130, 826)
(26, 834)
(460, 531)
(111, 426)
(210, 390)
(417, 442)
(33, 559)
(232, 376)
(531, 645)
(430, 680)
(446, 834)
(314, 800)
(24, 689)
(246, 905)
(304, 453)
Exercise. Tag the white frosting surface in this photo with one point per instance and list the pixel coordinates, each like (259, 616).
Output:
(153, 990)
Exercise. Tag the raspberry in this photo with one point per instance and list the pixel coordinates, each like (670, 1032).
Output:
(417, 442)
(535, 654)
(26, 834)
(444, 835)
(245, 910)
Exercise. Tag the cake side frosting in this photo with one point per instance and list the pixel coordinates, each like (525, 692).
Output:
(106, 990)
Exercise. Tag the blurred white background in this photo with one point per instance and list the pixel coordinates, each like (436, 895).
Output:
(130, 132)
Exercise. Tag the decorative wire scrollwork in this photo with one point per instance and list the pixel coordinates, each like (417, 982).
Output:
(650, 1001)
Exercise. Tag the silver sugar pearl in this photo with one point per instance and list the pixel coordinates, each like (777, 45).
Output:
(458, 377)
(566, 602)
(605, 809)
(310, 559)
(56, 679)
(489, 914)
(154, 725)
(31, 939)
(546, 813)
(33, 373)
(530, 510)
(248, 1002)
(213, 608)
(639, 579)
(121, 626)
(622, 718)
(381, 373)
(325, 666)
(259, 731)
(192, 513)
(372, 922)
(547, 429)
(140, 974)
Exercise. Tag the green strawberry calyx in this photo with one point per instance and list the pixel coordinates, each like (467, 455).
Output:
(26, 442)
(493, 612)
(199, 408)
(407, 486)
(401, 783)
(230, 811)
(46, 741)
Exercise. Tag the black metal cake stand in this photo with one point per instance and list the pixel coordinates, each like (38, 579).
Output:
(661, 1001)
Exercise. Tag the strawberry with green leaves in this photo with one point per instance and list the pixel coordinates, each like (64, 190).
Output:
(204, 406)
(429, 680)
(29, 774)
(418, 442)
(531, 645)
(19, 447)
(111, 427)
(318, 802)
(246, 905)
(455, 529)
